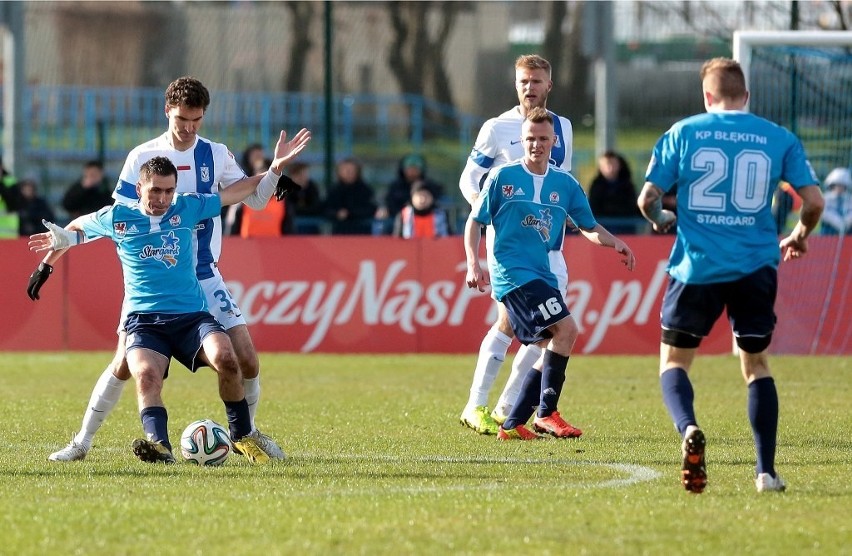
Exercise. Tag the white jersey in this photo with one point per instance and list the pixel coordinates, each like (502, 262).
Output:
(499, 142)
(203, 168)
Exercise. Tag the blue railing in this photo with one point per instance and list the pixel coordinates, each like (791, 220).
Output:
(76, 123)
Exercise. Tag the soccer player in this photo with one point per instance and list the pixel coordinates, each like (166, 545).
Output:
(498, 143)
(204, 167)
(527, 203)
(726, 165)
(167, 313)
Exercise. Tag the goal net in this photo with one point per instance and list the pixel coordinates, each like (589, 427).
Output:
(803, 81)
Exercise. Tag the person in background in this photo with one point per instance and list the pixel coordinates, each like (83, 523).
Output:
(350, 204)
(837, 218)
(274, 220)
(726, 255)
(90, 193)
(307, 203)
(411, 170)
(10, 199)
(421, 217)
(612, 194)
(32, 209)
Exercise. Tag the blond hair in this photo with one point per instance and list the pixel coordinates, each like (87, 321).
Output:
(723, 78)
(532, 62)
(538, 115)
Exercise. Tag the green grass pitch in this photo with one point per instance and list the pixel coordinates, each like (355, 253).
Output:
(378, 464)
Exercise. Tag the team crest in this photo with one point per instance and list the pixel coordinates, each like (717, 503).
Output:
(120, 228)
(508, 191)
(167, 254)
(205, 174)
(554, 197)
(175, 220)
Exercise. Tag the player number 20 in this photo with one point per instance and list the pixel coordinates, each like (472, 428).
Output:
(550, 308)
(748, 177)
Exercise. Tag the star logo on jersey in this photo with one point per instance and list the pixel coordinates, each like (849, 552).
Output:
(120, 228)
(554, 197)
(541, 224)
(508, 191)
(205, 173)
(167, 254)
(175, 220)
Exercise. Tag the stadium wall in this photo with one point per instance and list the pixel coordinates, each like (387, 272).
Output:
(387, 295)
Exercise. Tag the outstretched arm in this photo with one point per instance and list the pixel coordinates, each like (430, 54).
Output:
(651, 204)
(268, 184)
(601, 236)
(795, 245)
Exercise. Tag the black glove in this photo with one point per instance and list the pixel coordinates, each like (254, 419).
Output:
(37, 279)
(285, 187)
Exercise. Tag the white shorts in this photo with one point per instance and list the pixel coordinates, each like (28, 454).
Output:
(220, 304)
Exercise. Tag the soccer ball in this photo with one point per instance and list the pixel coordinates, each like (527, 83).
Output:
(205, 442)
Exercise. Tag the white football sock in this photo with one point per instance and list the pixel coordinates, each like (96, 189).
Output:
(105, 395)
(524, 361)
(492, 352)
(252, 388)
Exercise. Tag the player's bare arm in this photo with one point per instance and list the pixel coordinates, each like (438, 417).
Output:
(603, 237)
(795, 245)
(475, 277)
(651, 204)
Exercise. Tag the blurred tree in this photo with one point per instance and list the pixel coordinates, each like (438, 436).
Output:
(416, 56)
(302, 14)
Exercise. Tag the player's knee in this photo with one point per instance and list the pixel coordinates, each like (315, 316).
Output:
(754, 344)
(226, 363)
(249, 364)
(678, 339)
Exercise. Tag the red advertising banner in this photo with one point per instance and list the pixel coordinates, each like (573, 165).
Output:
(388, 295)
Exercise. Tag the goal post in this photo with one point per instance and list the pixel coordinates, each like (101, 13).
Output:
(802, 80)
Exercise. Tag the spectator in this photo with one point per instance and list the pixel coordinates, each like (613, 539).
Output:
(421, 217)
(307, 202)
(785, 200)
(32, 209)
(412, 168)
(837, 218)
(251, 163)
(274, 220)
(10, 199)
(612, 194)
(350, 204)
(90, 193)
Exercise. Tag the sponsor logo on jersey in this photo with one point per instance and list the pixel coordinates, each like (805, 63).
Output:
(205, 174)
(133, 229)
(175, 220)
(120, 228)
(167, 254)
(514, 142)
(520, 191)
(508, 191)
(542, 224)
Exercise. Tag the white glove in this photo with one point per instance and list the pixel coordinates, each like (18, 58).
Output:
(60, 238)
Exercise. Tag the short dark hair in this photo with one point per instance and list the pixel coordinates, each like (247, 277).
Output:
(187, 91)
(94, 163)
(157, 166)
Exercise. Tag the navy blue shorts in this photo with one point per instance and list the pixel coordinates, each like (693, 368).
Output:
(177, 336)
(532, 309)
(750, 302)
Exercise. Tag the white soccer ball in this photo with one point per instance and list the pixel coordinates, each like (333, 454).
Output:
(205, 442)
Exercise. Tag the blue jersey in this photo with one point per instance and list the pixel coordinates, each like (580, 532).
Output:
(528, 212)
(157, 253)
(203, 168)
(726, 166)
